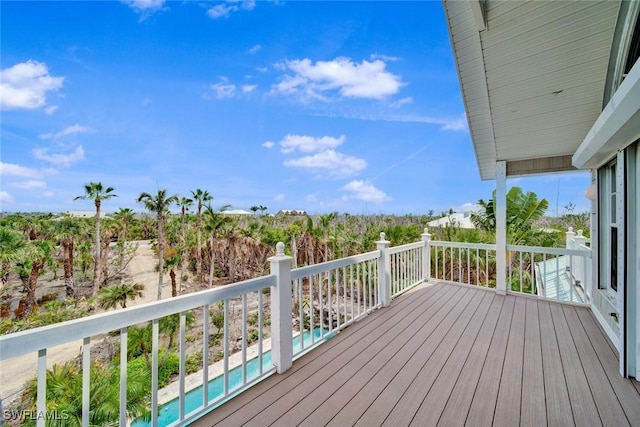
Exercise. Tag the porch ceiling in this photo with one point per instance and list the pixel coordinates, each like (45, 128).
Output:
(533, 81)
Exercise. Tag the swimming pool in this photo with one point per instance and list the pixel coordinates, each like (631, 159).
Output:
(168, 413)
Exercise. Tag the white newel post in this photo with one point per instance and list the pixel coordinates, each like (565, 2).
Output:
(569, 238)
(426, 255)
(384, 270)
(281, 306)
(501, 227)
(580, 242)
(570, 244)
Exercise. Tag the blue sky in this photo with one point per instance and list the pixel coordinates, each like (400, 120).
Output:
(322, 106)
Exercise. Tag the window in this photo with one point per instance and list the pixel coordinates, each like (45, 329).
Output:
(608, 227)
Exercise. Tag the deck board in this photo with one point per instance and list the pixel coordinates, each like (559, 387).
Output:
(533, 411)
(450, 355)
(556, 392)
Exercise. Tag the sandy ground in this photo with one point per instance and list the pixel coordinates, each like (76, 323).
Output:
(15, 372)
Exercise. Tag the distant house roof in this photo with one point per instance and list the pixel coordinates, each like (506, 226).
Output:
(460, 220)
(291, 212)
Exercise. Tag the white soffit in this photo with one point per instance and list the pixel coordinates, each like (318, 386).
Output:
(533, 81)
(617, 126)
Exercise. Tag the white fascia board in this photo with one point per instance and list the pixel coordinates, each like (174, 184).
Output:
(617, 126)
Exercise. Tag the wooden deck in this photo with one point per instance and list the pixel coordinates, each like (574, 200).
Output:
(450, 355)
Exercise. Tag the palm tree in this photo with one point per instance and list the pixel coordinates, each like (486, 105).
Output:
(184, 204)
(64, 394)
(214, 222)
(201, 197)
(126, 217)
(66, 231)
(160, 205)
(254, 209)
(113, 295)
(37, 252)
(523, 210)
(171, 265)
(12, 244)
(97, 192)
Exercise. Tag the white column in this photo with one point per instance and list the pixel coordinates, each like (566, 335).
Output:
(426, 255)
(281, 306)
(501, 227)
(384, 271)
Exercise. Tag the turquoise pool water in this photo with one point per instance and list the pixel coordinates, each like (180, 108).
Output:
(168, 413)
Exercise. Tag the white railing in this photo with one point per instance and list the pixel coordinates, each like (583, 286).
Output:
(562, 274)
(461, 262)
(324, 299)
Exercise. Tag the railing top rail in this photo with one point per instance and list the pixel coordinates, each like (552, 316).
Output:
(464, 245)
(301, 272)
(32, 340)
(550, 251)
(406, 247)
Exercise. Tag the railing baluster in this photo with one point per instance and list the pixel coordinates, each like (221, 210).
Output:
(299, 285)
(155, 332)
(260, 331)
(183, 356)
(320, 300)
(206, 319)
(41, 401)
(124, 332)
(244, 338)
(86, 380)
(344, 289)
(226, 347)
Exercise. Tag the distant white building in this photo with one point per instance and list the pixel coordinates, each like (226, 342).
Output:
(460, 220)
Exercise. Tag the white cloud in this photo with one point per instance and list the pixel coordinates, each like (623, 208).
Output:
(350, 79)
(25, 86)
(310, 198)
(399, 103)
(365, 191)
(447, 123)
(467, 207)
(279, 197)
(249, 4)
(9, 169)
(68, 131)
(268, 144)
(329, 163)
(6, 197)
(48, 194)
(60, 160)
(145, 5)
(29, 185)
(50, 110)
(255, 49)
(385, 58)
(224, 89)
(221, 11)
(309, 144)
(249, 88)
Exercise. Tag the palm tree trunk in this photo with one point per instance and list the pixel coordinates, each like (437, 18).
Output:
(160, 257)
(30, 300)
(213, 260)
(68, 267)
(174, 285)
(96, 259)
